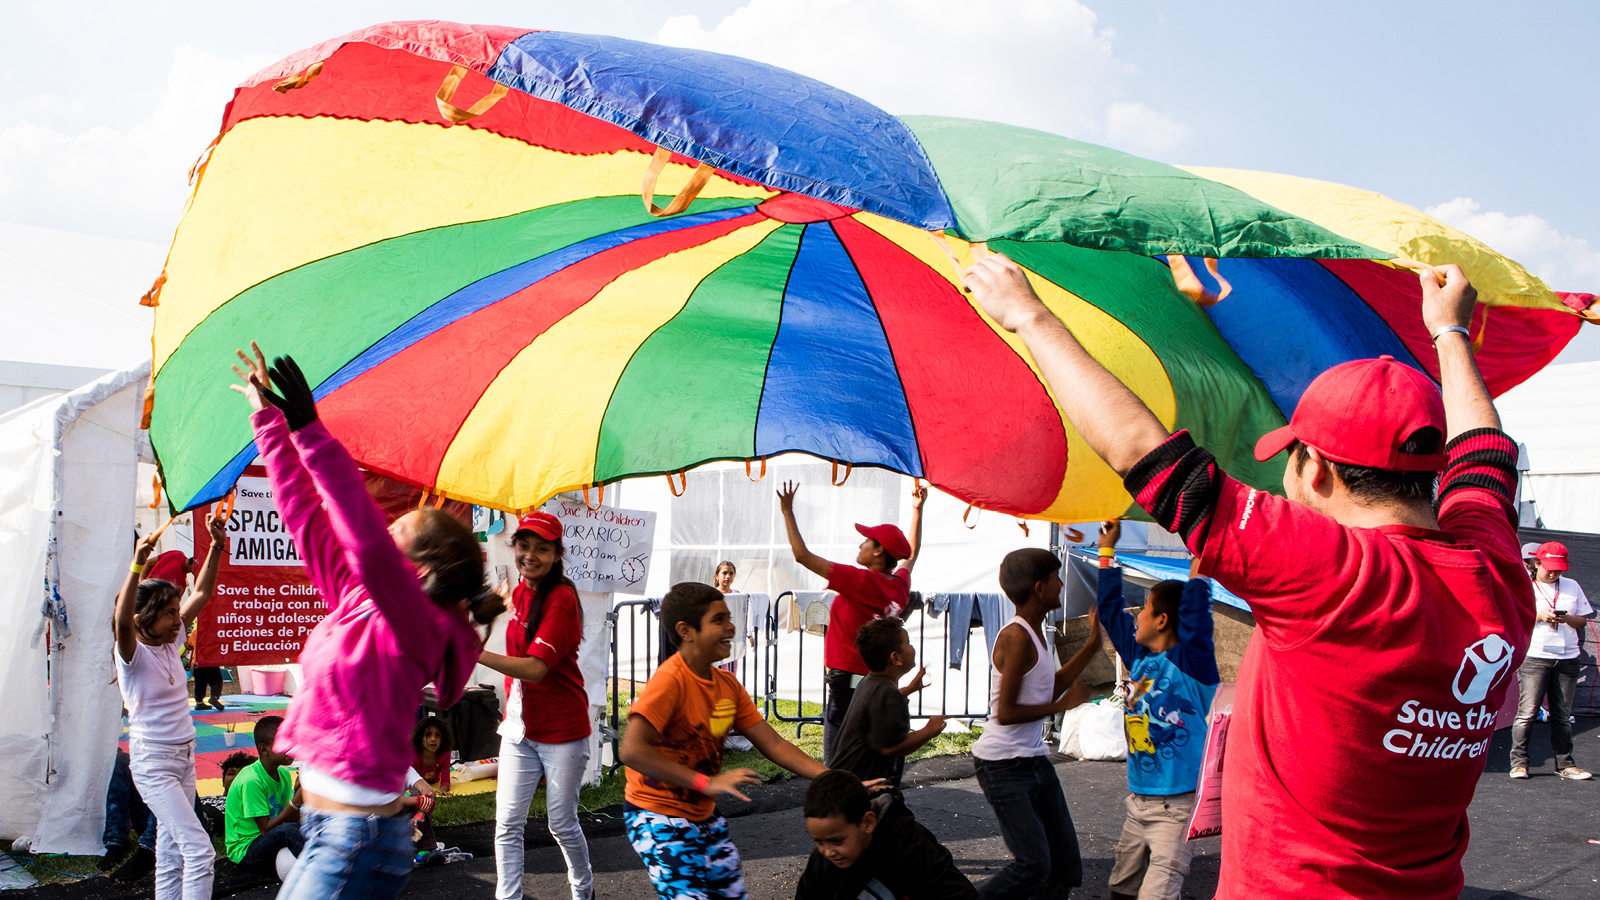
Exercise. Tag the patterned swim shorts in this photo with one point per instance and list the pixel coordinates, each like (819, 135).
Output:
(686, 860)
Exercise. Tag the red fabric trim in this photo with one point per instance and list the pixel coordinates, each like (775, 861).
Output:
(474, 46)
(1519, 341)
(473, 351)
(1577, 302)
(1009, 455)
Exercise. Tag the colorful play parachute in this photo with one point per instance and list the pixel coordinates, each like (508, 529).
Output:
(444, 225)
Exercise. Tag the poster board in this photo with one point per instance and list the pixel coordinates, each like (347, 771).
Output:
(606, 550)
(1205, 820)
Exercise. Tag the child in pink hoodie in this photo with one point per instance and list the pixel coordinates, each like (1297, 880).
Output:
(401, 600)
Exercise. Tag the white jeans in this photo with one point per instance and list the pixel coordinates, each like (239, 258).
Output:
(522, 764)
(164, 775)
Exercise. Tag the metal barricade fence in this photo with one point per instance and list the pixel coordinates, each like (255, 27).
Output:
(788, 665)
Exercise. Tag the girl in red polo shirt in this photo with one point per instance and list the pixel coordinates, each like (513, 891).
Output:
(546, 729)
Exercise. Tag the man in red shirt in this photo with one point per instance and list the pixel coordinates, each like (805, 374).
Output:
(879, 584)
(1388, 625)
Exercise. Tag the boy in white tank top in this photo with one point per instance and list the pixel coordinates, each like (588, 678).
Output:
(1012, 761)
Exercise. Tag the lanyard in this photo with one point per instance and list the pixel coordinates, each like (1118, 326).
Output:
(1557, 598)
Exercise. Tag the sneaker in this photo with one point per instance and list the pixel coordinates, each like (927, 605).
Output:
(140, 864)
(1519, 771)
(217, 704)
(114, 854)
(1573, 773)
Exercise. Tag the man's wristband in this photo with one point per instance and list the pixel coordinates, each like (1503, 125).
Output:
(1449, 328)
(701, 782)
(136, 567)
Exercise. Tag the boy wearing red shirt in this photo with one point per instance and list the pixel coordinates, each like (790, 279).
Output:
(1387, 632)
(879, 584)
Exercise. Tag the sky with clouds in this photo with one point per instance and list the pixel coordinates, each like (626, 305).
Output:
(1480, 113)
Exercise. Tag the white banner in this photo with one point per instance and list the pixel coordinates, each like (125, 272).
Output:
(257, 534)
(606, 550)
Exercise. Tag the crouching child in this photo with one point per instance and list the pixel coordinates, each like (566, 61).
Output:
(1172, 673)
(872, 847)
(673, 751)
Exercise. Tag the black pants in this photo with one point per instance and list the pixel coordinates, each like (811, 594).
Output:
(205, 676)
(837, 703)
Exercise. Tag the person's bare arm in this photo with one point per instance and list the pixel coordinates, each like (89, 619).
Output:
(526, 668)
(1068, 673)
(1014, 655)
(1466, 399)
(773, 746)
(639, 753)
(797, 544)
(919, 496)
(122, 619)
(1114, 422)
(916, 739)
(205, 584)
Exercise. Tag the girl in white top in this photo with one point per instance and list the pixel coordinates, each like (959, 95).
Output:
(151, 628)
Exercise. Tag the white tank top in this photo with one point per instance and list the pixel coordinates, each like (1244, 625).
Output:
(1038, 688)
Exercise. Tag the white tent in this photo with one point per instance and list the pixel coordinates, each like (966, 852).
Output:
(1556, 414)
(68, 467)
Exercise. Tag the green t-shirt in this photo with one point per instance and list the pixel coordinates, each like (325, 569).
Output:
(253, 794)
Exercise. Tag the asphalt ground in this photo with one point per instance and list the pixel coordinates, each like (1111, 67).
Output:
(1530, 839)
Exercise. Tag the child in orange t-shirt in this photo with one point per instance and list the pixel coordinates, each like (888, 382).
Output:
(673, 751)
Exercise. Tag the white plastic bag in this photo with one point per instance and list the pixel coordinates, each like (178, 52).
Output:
(1100, 732)
(1068, 730)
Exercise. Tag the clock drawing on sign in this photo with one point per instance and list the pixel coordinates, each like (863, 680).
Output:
(633, 568)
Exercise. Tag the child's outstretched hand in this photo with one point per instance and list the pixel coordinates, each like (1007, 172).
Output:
(919, 495)
(730, 781)
(1110, 533)
(1097, 635)
(918, 681)
(256, 380)
(786, 495)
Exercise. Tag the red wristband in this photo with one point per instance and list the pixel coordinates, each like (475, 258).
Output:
(701, 782)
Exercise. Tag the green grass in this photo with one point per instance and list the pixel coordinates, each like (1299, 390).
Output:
(608, 792)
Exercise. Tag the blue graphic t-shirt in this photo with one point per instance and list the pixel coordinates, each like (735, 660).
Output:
(1170, 693)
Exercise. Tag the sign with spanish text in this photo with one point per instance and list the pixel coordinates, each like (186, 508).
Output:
(1205, 820)
(605, 550)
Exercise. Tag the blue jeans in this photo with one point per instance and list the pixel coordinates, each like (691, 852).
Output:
(125, 809)
(263, 851)
(1032, 811)
(350, 856)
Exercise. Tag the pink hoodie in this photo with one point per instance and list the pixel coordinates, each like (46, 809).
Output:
(383, 640)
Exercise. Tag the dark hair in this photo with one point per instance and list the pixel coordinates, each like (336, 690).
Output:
(1373, 485)
(266, 730)
(727, 563)
(152, 597)
(552, 579)
(236, 761)
(837, 792)
(877, 640)
(1164, 599)
(686, 602)
(449, 549)
(447, 739)
(1022, 569)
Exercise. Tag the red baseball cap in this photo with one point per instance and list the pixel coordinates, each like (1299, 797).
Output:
(541, 523)
(1553, 556)
(173, 566)
(889, 537)
(1360, 412)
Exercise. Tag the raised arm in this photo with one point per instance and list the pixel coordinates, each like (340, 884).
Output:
(122, 620)
(1466, 400)
(797, 544)
(1067, 675)
(205, 584)
(919, 496)
(1109, 600)
(1114, 422)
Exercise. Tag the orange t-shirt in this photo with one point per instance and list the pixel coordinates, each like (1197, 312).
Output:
(693, 715)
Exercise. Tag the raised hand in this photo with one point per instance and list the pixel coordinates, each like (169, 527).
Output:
(786, 495)
(255, 378)
(918, 681)
(218, 527)
(147, 544)
(1002, 289)
(1110, 533)
(919, 495)
(298, 405)
(1097, 635)
(1450, 303)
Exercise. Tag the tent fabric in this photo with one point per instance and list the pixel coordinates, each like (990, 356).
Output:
(67, 483)
(1556, 415)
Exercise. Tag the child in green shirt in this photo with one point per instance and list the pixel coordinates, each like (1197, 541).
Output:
(262, 817)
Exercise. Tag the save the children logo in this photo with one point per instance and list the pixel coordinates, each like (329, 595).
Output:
(1482, 666)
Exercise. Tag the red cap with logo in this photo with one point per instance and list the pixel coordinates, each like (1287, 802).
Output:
(1360, 412)
(889, 537)
(1553, 556)
(541, 523)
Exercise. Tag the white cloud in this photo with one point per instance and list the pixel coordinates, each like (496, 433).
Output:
(1035, 63)
(1565, 262)
(127, 184)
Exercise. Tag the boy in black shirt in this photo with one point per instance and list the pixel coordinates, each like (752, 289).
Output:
(872, 848)
(876, 734)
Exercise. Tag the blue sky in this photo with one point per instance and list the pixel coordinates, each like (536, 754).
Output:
(1484, 113)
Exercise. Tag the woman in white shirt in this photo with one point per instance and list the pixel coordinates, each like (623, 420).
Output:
(151, 629)
(1550, 671)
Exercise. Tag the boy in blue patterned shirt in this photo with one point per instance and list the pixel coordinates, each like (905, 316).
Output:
(1172, 675)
